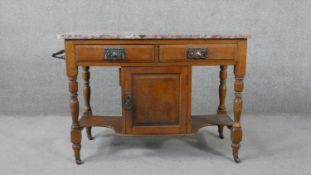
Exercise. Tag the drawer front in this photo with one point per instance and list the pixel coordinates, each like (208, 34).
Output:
(197, 52)
(115, 53)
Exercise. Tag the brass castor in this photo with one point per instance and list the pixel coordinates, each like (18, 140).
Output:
(78, 162)
(236, 159)
(90, 137)
(221, 131)
(221, 136)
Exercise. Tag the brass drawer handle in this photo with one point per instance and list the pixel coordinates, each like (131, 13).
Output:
(197, 53)
(113, 54)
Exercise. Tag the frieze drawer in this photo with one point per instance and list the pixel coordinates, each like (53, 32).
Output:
(115, 53)
(194, 52)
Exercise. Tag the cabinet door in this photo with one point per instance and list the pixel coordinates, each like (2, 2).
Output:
(155, 99)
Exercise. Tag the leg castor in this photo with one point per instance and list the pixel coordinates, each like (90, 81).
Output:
(236, 159)
(221, 136)
(220, 131)
(78, 162)
(89, 133)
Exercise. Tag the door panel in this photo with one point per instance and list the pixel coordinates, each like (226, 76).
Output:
(158, 98)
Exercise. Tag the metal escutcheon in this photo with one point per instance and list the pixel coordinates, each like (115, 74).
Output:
(197, 53)
(128, 101)
(113, 54)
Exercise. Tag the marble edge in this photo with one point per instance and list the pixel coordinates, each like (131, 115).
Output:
(152, 36)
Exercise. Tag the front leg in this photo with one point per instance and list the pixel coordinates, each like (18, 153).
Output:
(75, 127)
(72, 73)
(236, 132)
(239, 73)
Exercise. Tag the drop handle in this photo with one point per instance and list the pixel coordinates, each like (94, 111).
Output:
(114, 54)
(197, 53)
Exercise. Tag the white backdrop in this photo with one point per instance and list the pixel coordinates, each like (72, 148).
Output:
(279, 54)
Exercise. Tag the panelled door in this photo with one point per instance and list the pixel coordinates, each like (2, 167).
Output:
(155, 100)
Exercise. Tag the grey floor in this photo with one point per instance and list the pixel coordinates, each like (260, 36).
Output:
(278, 144)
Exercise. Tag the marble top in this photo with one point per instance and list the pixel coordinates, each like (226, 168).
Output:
(152, 36)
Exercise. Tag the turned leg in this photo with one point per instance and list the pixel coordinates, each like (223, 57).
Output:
(236, 131)
(239, 73)
(222, 97)
(87, 96)
(75, 127)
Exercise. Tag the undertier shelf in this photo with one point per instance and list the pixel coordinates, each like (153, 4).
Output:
(200, 121)
(115, 122)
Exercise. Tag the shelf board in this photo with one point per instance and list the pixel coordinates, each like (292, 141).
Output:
(200, 121)
(115, 122)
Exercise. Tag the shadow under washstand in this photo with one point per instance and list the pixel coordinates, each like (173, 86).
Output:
(111, 146)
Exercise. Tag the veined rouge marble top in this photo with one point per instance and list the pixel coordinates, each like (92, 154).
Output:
(152, 36)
